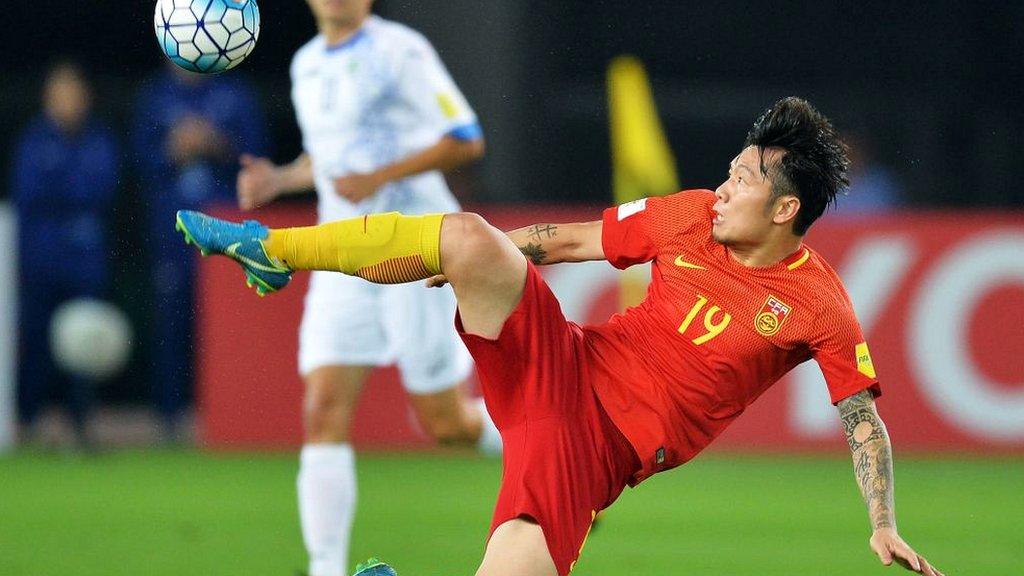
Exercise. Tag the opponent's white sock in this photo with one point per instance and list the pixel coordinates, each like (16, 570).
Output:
(490, 439)
(327, 503)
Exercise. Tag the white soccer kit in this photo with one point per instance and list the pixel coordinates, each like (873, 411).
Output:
(378, 97)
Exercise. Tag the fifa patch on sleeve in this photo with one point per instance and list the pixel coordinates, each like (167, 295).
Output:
(448, 106)
(629, 208)
(864, 365)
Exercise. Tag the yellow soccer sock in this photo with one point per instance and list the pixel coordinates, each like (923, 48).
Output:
(388, 248)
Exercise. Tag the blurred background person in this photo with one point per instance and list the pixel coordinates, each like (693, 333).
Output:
(380, 118)
(873, 187)
(188, 132)
(65, 176)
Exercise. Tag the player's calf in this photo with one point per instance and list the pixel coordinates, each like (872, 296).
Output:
(448, 417)
(389, 248)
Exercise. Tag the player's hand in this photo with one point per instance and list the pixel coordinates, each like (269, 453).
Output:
(356, 187)
(889, 547)
(258, 182)
(437, 281)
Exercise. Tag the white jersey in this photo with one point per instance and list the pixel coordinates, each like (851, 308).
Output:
(376, 98)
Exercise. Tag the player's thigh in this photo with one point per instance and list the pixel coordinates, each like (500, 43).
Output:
(486, 271)
(341, 339)
(517, 548)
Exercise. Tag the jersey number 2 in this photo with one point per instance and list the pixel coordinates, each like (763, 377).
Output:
(713, 328)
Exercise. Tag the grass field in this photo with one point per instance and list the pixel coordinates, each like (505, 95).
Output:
(188, 513)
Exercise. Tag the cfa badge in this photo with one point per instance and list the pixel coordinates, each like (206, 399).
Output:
(771, 316)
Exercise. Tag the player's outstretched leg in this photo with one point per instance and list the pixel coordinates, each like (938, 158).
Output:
(374, 567)
(486, 270)
(240, 242)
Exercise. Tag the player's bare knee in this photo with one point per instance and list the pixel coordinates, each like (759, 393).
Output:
(447, 431)
(325, 417)
(472, 248)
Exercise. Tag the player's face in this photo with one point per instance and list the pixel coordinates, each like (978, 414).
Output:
(67, 98)
(742, 216)
(340, 12)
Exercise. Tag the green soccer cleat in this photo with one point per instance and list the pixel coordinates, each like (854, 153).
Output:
(243, 243)
(374, 567)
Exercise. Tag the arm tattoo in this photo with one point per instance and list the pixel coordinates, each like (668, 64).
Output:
(860, 422)
(534, 252)
(539, 232)
(872, 456)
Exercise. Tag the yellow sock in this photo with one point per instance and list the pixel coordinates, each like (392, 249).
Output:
(388, 248)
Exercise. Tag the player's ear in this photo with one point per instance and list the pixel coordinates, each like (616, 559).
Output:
(786, 208)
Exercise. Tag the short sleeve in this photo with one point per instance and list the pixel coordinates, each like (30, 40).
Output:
(425, 84)
(842, 353)
(626, 233)
(634, 232)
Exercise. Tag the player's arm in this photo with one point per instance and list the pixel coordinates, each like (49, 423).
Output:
(447, 153)
(872, 466)
(551, 244)
(261, 181)
(554, 243)
(424, 86)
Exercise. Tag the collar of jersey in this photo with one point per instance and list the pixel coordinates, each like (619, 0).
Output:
(791, 262)
(352, 41)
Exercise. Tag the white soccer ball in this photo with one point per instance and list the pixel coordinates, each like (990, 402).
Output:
(207, 36)
(90, 338)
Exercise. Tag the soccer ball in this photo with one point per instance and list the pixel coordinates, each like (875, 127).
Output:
(90, 338)
(207, 36)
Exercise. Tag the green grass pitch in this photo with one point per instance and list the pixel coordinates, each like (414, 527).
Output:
(159, 513)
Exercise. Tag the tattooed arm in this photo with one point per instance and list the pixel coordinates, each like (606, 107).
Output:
(551, 244)
(872, 457)
(872, 465)
(554, 243)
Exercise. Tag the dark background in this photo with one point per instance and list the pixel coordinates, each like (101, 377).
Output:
(935, 88)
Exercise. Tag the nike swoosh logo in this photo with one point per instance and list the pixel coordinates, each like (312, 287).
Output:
(232, 251)
(684, 264)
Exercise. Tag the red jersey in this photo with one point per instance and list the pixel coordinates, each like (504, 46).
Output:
(712, 334)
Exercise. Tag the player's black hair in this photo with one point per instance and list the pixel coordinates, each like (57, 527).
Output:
(814, 165)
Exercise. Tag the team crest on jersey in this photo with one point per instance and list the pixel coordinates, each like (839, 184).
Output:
(771, 316)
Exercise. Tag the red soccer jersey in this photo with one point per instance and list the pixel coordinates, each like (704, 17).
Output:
(712, 334)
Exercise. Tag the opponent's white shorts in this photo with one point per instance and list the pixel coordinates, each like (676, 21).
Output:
(349, 321)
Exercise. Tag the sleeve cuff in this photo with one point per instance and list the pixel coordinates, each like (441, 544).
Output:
(466, 132)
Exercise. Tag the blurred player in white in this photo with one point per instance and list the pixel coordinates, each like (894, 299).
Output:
(380, 119)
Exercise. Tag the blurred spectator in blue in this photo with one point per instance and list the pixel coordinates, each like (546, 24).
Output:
(65, 176)
(188, 133)
(873, 187)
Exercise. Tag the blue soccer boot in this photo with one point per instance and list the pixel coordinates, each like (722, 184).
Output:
(243, 243)
(374, 567)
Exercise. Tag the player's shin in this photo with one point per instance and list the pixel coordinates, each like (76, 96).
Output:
(389, 248)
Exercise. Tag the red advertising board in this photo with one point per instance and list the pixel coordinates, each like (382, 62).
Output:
(940, 297)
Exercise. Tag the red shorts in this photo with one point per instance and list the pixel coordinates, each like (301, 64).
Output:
(564, 459)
